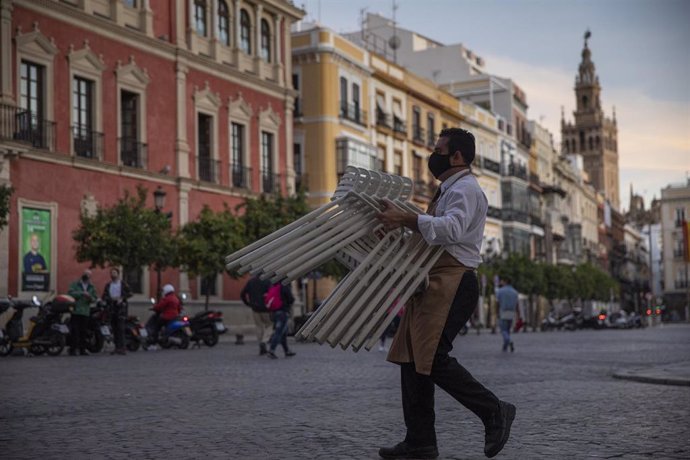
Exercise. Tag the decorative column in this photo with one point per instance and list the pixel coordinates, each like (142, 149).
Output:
(6, 92)
(258, 10)
(181, 145)
(180, 24)
(213, 27)
(146, 18)
(278, 53)
(235, 32)
(289, 146)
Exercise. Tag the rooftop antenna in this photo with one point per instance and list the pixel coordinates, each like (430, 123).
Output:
(394, 41)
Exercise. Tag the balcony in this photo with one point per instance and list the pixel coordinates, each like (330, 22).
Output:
(399, 126)
(534, 178)
(208, 169)
(21, 125)
(493, 212)
(516, 170)
(270, 183)
(491, 165)
(383, 119)
(418, 134)
(301, 181)
(87, 143)
(239, 176)
(132, 152)
(515, 215)
(678, 253)
(680, 284)
(353, 113)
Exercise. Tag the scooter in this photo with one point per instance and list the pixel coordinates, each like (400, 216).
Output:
(98, 329)
(47, 332)
(176, 332)
(207, 326)
(136, 334)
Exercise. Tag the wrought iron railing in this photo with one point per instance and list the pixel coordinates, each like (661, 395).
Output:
(354, 113)
(270, 183)
(132, 152)
(491, 165)
(493, 212)
(516, 170)
(87, 143)
(418, 134)
(208, 169)
(23, 126)
(239, 176)
(383, 119)
(399, 126)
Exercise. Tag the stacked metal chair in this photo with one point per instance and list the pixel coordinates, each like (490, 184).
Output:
(386, 267)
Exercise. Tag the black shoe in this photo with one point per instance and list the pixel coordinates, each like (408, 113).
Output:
(83, 353)
(404, 450)
(512, 347)
(271, 355)
(262, 349)
(498, 429)
(289, 353)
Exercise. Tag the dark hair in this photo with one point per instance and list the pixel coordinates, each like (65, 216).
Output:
(460, 139)
(116, 269)
(506, 279)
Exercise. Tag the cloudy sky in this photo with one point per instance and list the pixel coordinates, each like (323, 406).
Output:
(639, 48)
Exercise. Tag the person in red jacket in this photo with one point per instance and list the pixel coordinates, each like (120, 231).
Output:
(167, 309)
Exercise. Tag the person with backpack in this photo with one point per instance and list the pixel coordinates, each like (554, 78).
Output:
(252, 295)
(279, 300)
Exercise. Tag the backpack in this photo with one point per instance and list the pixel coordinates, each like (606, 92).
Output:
(273, 298)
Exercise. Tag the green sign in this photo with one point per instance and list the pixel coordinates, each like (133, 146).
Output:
(35, 249)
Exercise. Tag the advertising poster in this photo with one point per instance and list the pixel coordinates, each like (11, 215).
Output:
(35, 249)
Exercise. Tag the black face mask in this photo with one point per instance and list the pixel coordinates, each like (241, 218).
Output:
(85, 279)
(438, 164)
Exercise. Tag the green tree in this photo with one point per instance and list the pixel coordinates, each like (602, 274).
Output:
(264, 215)
(5, 194)
(203, 244)
(127, 234)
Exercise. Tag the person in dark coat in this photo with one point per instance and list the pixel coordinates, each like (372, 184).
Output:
(84, 294)
(252, 295)
(280, 323)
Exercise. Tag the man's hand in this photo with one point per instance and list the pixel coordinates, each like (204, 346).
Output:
(393, 217)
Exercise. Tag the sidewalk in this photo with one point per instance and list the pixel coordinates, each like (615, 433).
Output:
(667, 374)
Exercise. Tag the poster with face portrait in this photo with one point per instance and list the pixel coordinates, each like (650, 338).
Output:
(35, 249)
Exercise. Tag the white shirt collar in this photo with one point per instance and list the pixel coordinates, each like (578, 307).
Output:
(446, 184)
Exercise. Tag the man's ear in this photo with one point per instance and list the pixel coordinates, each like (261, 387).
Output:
(457, 159)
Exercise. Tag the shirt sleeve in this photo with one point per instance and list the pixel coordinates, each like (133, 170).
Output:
(452, 225)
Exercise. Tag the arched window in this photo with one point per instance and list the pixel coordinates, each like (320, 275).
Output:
(223, 23)
(585, 102)
(200, 17)
(265, 41)
(591, 144)
(582, 141)
(245, 32)
(566, 146)
(597, 142)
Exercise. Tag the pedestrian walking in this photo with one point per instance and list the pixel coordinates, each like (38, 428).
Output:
(115, 295)
(507, 310)
(455, 220)
(252, 295)
(84, 294)
(281, 316)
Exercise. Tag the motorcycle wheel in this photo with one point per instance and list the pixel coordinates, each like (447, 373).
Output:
(184, 344)
(94, 342)
(211, 341)
(5, 346)
(37, 350)
(57, 345)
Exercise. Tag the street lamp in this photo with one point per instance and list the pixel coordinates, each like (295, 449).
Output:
(159, 199)
(159, 203)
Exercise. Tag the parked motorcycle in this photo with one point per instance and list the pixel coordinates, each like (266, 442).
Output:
(47, 332)
(207, 326)
(136, 334)
(550, 322)
(98, 331)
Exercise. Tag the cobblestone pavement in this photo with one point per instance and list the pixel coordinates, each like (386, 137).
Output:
(227, 402)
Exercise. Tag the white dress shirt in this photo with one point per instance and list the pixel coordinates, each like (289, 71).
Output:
(115, 290)
(458, 220)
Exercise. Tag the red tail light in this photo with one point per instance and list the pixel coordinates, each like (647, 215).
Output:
(184, 318)
(649, 312)
(602, 317)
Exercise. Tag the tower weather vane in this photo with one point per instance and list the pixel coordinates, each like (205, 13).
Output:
(587, 35)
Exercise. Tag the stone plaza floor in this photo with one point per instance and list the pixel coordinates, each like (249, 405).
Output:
(228, 402)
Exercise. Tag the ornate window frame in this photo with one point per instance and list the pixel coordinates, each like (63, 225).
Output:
(133, 79)
(86, 64)
(208, 103)
(37, 48)
(240, 112)
(269, 122)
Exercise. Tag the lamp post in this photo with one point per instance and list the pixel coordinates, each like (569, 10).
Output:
(159, 204)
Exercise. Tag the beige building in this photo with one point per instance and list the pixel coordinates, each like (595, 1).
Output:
(675, 210)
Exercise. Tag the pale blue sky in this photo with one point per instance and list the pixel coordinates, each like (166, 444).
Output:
(639, 47)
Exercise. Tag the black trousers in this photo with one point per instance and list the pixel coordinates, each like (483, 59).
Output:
(447, 373)
(118, 317)
(77, 327)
